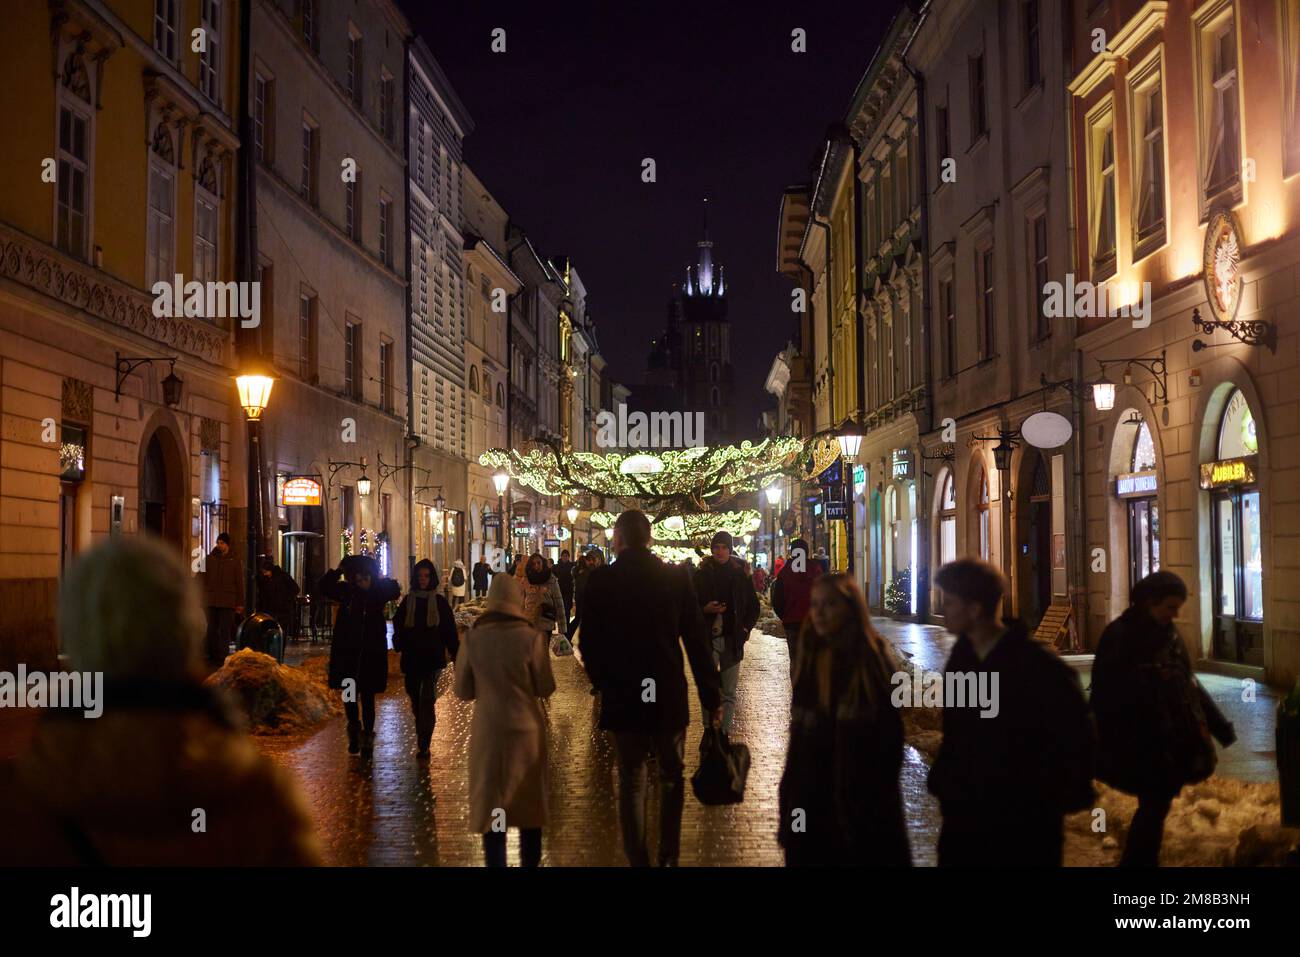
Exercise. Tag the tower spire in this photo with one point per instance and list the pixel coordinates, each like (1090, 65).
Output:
(706, 219)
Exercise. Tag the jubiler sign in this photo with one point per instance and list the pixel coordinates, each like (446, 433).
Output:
(1228, 472)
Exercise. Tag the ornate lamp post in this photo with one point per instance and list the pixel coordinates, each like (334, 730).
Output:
(773, 493)
(573, 528)
(254, 384)
(502, 482)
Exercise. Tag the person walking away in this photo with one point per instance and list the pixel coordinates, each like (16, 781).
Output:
(564, 570)
(580, 569)
(504, 667)
(359, 651)
(121, 790)
(726, 596)
(760, 580)
(424, 631)
(1154, 720)
(792, 593)
(276, 591)
(480, 574)
(839, 796)
(457, 584)
(543, 602)
(637, 615)
(1017, 745)
(223, 590)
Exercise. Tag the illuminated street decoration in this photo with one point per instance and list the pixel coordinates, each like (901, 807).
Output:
(675, 554)
(688, 480)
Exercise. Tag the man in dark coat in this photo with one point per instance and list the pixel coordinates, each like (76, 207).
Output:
(1015, 762)
(424, 631)
(223, 594)
(726, 596)
(564, 575)
(359, 651)
(276, 591)
(792, 592)
(637, 614)
(1154, 720)
(480, 574)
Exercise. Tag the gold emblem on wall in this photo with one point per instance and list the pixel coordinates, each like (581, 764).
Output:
(1222, 261)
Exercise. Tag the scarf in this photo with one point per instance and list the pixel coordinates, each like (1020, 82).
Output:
(431, 609)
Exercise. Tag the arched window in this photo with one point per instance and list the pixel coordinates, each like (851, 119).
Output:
(713, 372)
(1144, 450)
(1237, 428)
(487, 388)
(947, 519)
(891, 531)
(714, 396)
(473, 378)
(983, 509)
(501, 395)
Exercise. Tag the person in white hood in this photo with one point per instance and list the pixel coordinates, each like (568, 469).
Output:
(457, 584)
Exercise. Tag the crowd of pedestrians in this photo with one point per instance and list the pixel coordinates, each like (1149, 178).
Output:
(1006, 774)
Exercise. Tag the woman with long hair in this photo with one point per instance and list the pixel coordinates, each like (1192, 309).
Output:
(839, 796)
(543, 600)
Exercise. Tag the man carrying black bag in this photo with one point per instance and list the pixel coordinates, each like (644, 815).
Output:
(637, 614)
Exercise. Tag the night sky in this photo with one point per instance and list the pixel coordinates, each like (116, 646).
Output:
(585, 91)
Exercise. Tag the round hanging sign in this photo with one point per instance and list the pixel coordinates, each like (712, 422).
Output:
(1046, 430)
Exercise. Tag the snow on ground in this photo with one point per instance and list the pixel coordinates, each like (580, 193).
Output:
(274, 698)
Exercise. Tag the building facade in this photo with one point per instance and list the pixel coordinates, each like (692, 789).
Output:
(119, 415)
(1186, 136)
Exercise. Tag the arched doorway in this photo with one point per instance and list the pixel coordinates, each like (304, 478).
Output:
(1037, 593)
(162, 485)
(979, 532)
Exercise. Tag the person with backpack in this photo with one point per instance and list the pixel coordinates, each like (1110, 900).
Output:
(424, 631)
(792, 592)
(1154, 720)
(839, 797)
(1017, 747)
(730, 606)
(456, 584)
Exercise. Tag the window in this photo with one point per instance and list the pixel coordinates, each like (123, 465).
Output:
(74, 181)
(1148, 161)
(386, 376)
(1038, 270)
(487, 388)
(1101, 196)
(307, 337)
(385, 211)
(354, 74)
(351, 217)
(947, 520)
(983, 513)
(352, 360)
(210, 56)
(979, 117)
(164, 28)
(386, 106)
(1290, 10)
(264, 118)
(161, 230)
(947, 312)
(205, 236)
(942, 141)
(473, 379)
(1220, 110)
(501, 395)
(988, 316)
(1032, 64)
(310, 161)
(307, 19)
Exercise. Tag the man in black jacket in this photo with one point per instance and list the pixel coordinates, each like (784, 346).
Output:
(730, 606)
(637, 614)
(1011, 767)
(564, 575)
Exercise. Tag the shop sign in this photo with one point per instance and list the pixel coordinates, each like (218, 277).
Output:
(1228, 472)
(835, 511)
(491, 521)
(833, 474)
(1222, 265)
(1132, 484)
(859, 479)
(552, 543)
(903, 464)
(300, 490)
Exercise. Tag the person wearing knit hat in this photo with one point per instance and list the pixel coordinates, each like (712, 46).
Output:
(504, 667)
(424, 631)
(726, 596)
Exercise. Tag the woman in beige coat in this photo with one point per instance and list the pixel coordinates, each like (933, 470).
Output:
(504, 667)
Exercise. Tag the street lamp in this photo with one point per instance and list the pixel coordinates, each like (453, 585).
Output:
(773, 493)
(573, 527)
(363, 485)
(502, 482)
(1103, 394)
(254, 385)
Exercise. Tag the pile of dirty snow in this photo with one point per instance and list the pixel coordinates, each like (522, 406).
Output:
(275, 698)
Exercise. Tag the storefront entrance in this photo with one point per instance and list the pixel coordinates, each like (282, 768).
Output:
(1039, 544)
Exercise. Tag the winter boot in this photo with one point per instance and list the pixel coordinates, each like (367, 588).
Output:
(354, 734)
(367, 742)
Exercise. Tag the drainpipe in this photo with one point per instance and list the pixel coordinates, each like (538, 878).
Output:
(411, 440)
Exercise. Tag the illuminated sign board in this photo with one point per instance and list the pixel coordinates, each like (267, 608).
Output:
(1132, 484)
(902, 462)
(1228, 472)
(300, 491)
(859, 479)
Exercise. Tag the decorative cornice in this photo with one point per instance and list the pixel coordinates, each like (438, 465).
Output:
(52, 273)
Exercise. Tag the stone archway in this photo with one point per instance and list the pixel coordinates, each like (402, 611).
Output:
(163, 483)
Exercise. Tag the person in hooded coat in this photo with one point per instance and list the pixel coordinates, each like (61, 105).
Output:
(1154, 720)
(543, 601)
(457, 583)
(121, 790)
(276, 592)
(359, 650)
(846, 741)
(792, 592)
(424, 631)
(504, 667)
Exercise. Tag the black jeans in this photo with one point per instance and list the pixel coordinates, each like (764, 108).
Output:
(993, 835)
(221, 629)
(1147, 832)
(633, 751)
(420, 689)
(367, 711)
(530, 847)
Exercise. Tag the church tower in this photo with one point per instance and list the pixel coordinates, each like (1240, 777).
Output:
(698, 316)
